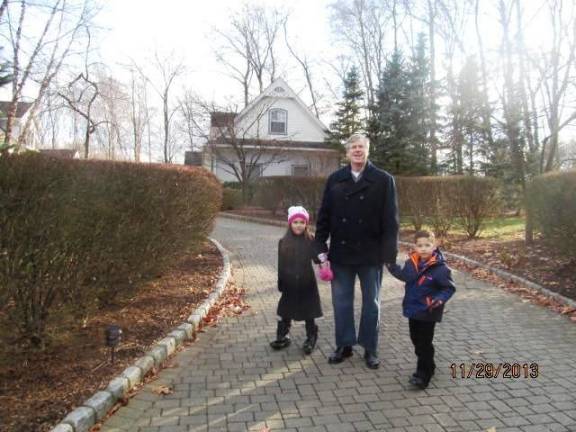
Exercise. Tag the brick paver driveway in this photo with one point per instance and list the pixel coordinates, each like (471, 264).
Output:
(230, 380)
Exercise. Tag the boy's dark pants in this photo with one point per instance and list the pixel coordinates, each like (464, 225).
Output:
(422, 334)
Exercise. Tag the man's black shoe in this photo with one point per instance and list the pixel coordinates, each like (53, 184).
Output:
(372, 360)
(340, 354)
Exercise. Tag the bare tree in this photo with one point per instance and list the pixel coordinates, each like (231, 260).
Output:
(248, 46)
(167, 69)
(362, 25)
(139, 111)
(113, 108)
(38, 58)
(557, 68)
(306, 69)
(188, 112)
(81, 94)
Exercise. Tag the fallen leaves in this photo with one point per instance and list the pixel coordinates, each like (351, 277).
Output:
(230, 303)
(163, 390)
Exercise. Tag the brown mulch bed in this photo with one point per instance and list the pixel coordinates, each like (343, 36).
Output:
(38, 390)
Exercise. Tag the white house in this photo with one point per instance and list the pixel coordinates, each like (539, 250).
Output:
(276, 134)
(18, 121)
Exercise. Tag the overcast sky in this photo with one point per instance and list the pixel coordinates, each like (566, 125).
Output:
(137, 27)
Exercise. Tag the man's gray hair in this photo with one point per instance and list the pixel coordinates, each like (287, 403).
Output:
(357, 137)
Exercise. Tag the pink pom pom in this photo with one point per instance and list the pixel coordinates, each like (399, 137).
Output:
(326, 273)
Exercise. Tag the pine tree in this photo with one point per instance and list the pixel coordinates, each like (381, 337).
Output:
(420, 106)
(466, 134)
(400, 117)
(349, 117)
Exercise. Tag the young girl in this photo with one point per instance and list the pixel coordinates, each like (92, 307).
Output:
(296, 281)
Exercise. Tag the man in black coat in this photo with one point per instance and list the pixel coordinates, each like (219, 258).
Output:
(359, 213)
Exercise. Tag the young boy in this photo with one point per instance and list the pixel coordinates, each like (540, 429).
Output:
(429, 285)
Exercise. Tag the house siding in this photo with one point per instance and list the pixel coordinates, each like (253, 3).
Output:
(303, 134)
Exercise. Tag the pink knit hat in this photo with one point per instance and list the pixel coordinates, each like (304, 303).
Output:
(297, 212)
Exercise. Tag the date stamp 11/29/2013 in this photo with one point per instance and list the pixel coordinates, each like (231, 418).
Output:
(494, 370)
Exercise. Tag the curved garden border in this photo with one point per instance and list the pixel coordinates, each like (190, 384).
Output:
(95, 408)
(502, 273)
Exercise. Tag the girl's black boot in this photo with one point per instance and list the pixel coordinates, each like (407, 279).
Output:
(311, 339)
(282, 338)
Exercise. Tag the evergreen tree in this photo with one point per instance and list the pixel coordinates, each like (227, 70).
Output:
(420, 106)
(401, 117)
(466, 135)
(348, 116)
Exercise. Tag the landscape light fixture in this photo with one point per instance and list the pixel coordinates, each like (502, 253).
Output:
(113, 337)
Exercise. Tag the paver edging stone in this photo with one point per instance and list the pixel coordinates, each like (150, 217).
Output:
(82, 418)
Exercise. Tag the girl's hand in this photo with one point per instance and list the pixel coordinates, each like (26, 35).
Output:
(326, 272)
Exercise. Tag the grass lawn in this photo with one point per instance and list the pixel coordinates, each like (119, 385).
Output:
(501, 228)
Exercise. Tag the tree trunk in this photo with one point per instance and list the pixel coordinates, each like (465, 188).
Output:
(433, 117)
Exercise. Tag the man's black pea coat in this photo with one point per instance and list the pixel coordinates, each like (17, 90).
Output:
(360, 218)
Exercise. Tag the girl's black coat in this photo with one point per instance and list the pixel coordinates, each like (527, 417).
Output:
(300, 299)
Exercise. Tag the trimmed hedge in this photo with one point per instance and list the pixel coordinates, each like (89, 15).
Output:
(279, 193)
(552, 204)
(231, 198)
(442, 202)
(78, 233)
(445, 202)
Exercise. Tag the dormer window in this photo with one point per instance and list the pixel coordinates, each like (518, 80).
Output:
(278, 124)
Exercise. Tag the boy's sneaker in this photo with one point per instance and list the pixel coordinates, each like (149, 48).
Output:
(279, 344)
(419, 380)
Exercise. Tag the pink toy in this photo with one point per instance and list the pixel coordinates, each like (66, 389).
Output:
(326, 272)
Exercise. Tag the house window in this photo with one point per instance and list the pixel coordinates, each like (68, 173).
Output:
(300, 170)
(278, 122)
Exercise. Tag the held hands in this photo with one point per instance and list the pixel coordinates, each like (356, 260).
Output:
(326, 272)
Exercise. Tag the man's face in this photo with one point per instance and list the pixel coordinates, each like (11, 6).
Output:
(425, 247)
(357, 153)
(298, 226)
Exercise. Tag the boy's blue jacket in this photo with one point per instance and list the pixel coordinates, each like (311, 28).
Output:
(425, 282)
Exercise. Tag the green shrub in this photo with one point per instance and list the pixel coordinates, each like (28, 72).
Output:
(82, 232)
(552, 205)
(231, 199)
(278, 193)
(475, 200)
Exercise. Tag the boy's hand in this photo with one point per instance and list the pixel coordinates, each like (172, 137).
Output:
(433, 304)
